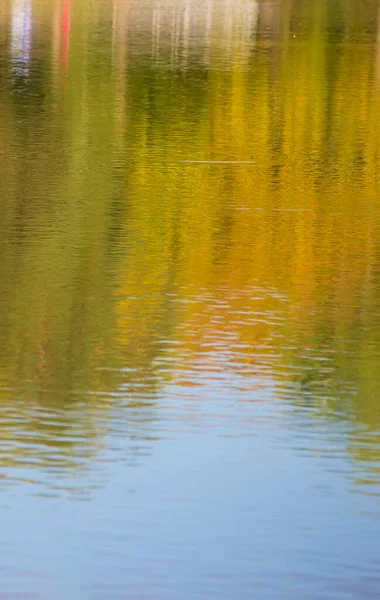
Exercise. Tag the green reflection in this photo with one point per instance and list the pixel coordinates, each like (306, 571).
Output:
(125, 265)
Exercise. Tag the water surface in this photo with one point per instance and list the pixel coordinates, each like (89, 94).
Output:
(189, 299)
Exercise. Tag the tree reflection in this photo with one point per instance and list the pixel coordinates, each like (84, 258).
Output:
(124, 266)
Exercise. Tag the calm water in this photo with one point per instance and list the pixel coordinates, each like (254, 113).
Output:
(189, 299)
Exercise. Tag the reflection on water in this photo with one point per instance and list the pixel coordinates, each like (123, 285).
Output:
(189, 298)
(21, 39)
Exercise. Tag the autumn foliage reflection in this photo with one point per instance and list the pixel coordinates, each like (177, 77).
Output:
(187, 190)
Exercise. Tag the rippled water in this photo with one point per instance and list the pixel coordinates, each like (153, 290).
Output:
(189, 299)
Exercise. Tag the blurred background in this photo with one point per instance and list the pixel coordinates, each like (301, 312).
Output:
(189, 299)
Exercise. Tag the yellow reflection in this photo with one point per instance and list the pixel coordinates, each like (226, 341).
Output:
(188, 187)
